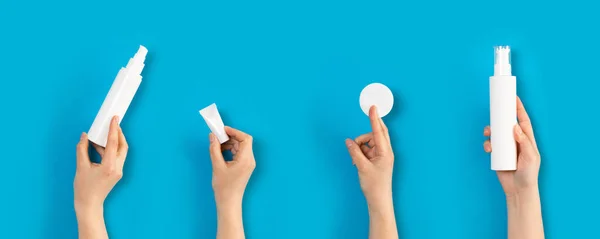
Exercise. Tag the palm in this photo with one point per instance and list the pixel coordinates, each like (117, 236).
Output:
(507, 180)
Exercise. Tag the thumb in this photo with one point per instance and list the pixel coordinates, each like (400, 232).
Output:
(216, 155)
(358, 158)
(525, 146)
(83, 157)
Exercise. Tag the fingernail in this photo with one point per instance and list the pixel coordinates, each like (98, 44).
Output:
(211, 137)
(348, 143)
(374, 109)
(519, 130)
(82, 136)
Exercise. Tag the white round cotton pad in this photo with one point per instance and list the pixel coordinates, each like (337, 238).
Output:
(379, 95)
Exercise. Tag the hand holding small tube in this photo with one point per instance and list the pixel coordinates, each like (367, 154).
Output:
(230, 179)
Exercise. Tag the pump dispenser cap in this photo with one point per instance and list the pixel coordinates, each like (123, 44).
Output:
(502, 61)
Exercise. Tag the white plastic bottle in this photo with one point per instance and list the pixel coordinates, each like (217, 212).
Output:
(503, 112)
(119, 97)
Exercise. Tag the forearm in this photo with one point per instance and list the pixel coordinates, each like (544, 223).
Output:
(90, 223)
(525, 215)
(229, 221)
(382, 220)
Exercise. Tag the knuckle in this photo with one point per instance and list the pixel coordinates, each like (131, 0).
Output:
(108, 172)
(113, 173)
(118, 174)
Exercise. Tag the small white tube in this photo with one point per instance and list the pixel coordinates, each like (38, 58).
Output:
(215, 123)
(503, 112)
(119, 97)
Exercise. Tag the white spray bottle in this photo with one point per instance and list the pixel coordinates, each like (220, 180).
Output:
(119, 97)
(503, 112)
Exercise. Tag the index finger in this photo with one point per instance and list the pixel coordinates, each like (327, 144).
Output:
(83, 158)
(363, 139)
(524, 120)
(123, 145)
(378, 134)
(112, 144)
(238, 135)
(216, 156)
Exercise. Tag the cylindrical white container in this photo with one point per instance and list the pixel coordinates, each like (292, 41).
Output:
(503, 112)
(119, 97)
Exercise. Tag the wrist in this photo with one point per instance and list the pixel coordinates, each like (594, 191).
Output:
(228, 199)
(85, 211)
(380, 205)
(90, 221)
(379, 198)
(523, 197)
(229, 213)
(230, 205)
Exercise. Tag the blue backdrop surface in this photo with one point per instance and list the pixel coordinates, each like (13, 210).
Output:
(290, 73)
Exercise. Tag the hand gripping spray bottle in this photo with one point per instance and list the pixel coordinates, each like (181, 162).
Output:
(503, 112)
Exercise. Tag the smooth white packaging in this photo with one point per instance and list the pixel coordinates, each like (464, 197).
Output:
(215, 123)
(379, 95)
(119, 97)
(503, 113)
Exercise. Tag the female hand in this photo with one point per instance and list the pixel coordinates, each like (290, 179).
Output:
(373, 156)
(231, 177)
(94, 181)
(528, 159)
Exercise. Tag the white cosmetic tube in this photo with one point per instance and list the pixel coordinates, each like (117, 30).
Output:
(215, 123)
(503, 112)
(119, 97)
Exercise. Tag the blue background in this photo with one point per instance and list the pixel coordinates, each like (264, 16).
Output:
(290, 73)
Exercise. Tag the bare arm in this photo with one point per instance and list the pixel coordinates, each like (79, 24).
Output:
(229, 221)
(525, 215)
(90, 223)
(382, 221)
